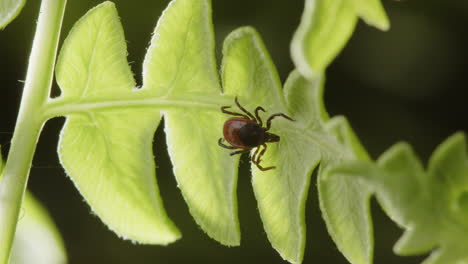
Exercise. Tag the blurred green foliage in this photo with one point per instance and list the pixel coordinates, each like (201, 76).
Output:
(410, 83)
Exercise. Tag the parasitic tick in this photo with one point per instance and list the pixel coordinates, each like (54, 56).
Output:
(246, 132)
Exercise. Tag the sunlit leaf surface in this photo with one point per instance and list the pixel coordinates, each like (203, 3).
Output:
(105, 145)
(37, 240)
(108, 151)
(430, 204)
(9, 9)
(180, 68)
(325, 28)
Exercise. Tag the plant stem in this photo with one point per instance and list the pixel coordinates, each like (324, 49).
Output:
(30, 120)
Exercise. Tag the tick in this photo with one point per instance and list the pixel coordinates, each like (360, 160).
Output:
(246, 132)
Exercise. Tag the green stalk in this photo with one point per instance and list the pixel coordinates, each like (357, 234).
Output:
(30, 120)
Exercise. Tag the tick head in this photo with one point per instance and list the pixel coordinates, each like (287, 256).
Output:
(270, 137)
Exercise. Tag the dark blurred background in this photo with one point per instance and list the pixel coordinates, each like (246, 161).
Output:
(405, 84)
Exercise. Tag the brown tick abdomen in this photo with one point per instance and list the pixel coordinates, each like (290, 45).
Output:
(231, 131)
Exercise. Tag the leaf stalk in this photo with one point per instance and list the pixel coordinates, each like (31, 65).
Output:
(30, 120)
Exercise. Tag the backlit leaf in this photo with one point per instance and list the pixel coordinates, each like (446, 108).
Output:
(344, 201)
(372, 12)
(1, 162)
(411, 195)
(325, 28)
(107, 150)
(9, 9)
(106, 143)
(281, 192)
(180, 68)
(37, 239)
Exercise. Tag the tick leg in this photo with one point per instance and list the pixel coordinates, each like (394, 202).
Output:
(220, 143)
(259, 159)
(253, 158)
(265, 169)
(223, 109)
(259, 120)
(276, 115)
(239, 152)
(260, 155)
(251, 117)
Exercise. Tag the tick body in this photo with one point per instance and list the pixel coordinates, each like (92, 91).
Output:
(246, 132)
(243, 133)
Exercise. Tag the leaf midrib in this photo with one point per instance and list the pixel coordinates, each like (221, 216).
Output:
(65, 106)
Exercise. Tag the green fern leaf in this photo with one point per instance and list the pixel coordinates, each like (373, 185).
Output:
(281, 193)
(411, 195)
(107, 150)
(344, 202)
(372, 12)
(2, 163)
(180, 68)
(37, 239)
(105, 145)
(325, 28)
(9, 9)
